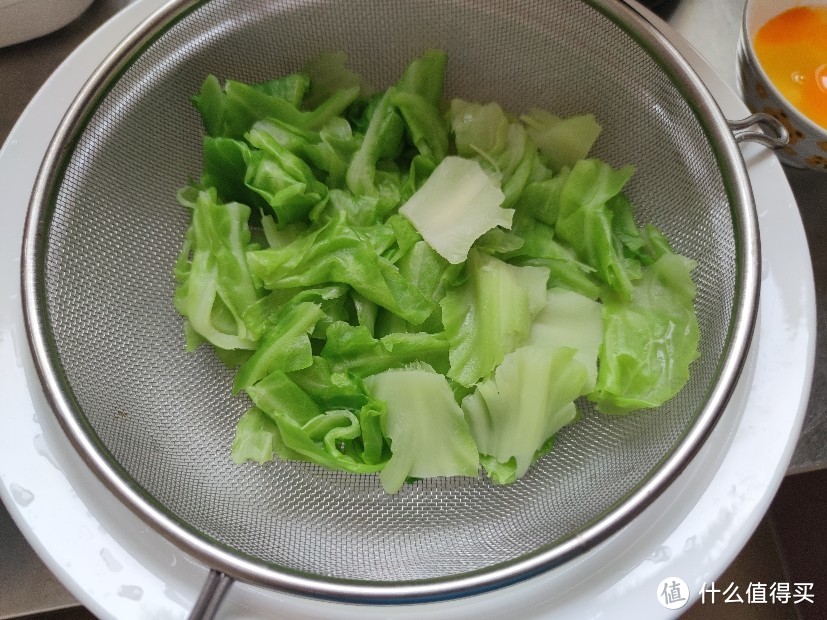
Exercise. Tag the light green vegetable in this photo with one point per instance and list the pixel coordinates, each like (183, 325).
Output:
(327, 75)
(650, 340)
(515, 412)
(479, 130)
(355, 350)
(215, 286)
(455, 206)
(490, 314)
(337, 438)
(585, 221)
(231, 110)
(382, 139)
(337, 252)
(284, 346)
(257, 438)
(501, 144)
(563, 141)
(428, 433)
(571, 320)
(415, 287)
(284, 180)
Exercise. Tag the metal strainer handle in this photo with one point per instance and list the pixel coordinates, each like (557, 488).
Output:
(763, 123)
(211, 596)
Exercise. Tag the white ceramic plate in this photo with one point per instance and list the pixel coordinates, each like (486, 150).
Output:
(120, 568)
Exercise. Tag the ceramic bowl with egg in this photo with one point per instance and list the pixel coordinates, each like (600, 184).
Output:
(782, 71)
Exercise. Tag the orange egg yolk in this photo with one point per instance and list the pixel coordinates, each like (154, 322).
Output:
(792, 49)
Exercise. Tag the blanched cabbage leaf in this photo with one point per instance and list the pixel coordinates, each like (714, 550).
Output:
(515, 412)
(650, 340)
(500, 143)
(338, 438)
(490, 314)
(571, 320)
(336, 252)
(215, 286)
(428, 433)
(563, 141)
(455, 206)
(585, 221)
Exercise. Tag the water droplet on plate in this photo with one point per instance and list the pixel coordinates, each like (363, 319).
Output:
(131, 592)
(111, 561)
(661, 554)
(22, 496)
(43, 450)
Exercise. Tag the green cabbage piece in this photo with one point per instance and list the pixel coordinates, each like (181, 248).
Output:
(418, 97)
(650, 340)
(489, 314)
(501, 144)
(382, 140)
(353, 349)
(571, 320)
(408, 106)
(341, 439)
(336, 252)
(285, 181)
(563, 141)
(516, 412)
(284, 346)
(432, 275)
(270, 310)
(225, 164)
(455, 206)
(585, 222)
(214, 284)
(328, 75)
(257, 438)
(426, 427)
(232, 109)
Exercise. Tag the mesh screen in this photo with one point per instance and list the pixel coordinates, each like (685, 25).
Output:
(167, 416)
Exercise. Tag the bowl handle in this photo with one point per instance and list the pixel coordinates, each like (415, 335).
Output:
(761, 128)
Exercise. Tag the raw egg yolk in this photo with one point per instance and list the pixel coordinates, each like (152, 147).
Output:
(792, 49)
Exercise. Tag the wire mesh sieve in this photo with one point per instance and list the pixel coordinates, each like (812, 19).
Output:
(156, 422)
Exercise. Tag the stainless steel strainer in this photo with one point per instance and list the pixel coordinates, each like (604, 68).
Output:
(156, 423)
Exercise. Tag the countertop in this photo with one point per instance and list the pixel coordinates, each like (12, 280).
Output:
(711, 26)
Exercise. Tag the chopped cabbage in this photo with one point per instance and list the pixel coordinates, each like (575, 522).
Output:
(413, 287)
